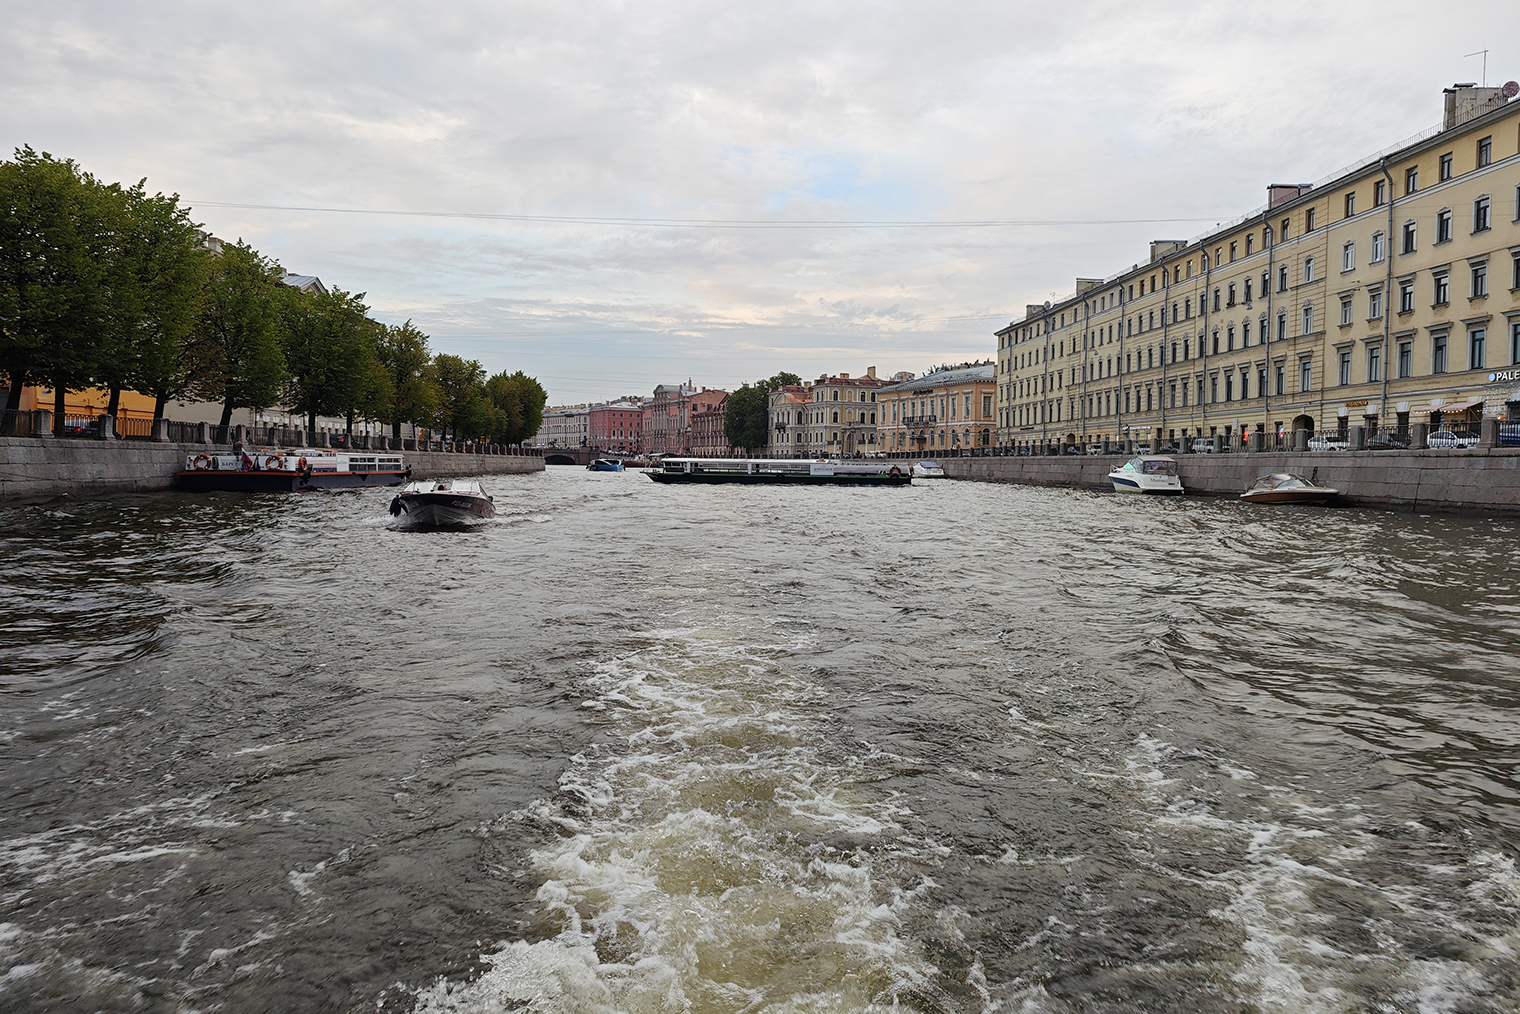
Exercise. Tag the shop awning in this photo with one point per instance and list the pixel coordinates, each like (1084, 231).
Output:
(1461, 405)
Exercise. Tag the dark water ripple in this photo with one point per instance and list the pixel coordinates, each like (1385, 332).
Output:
(955, 748)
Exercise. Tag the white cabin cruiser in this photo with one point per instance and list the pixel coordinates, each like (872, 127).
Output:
(442, 502)
(928, 470)
(1147, 473)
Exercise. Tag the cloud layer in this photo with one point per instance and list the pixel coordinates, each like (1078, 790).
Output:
(784, 112)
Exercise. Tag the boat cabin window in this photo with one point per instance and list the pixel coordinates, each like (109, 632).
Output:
(1159, 467)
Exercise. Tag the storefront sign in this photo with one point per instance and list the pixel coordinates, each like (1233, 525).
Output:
(1503, 375)
(1356, 404)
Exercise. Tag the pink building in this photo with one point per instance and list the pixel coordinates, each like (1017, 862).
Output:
(617, 426)
(707, 410)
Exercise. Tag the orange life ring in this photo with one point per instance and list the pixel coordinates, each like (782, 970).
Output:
(274, 463)
(301, 466)
(202, 462)
(896, 472)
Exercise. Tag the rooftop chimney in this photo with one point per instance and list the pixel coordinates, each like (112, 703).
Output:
(871, 372)
(1279, 193)
(1161, 247)
(1083, 284)
(1466, 101)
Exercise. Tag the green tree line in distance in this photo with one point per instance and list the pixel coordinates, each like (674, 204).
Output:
(107, 286)
(745, 411)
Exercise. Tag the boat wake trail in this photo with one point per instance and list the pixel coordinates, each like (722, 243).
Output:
(710, 859)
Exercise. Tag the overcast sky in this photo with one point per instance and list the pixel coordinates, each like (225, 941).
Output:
(1133, 120)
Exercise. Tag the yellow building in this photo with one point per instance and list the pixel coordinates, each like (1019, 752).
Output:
(1385, 295)
(944, 410)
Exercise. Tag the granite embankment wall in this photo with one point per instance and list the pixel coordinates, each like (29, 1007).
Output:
(34, 469)
(1482, 479)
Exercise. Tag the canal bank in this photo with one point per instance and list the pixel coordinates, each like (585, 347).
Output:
(34, 468)
(1479, 478)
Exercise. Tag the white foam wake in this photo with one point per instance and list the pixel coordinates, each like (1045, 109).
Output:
(711, 859)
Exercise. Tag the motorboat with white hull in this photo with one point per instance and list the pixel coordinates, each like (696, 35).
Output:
(1287, 487)
(443, 503)
(1147, 473)
(928, 470)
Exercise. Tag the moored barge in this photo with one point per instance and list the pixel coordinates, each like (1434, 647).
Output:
(289, 471)
(780, 472)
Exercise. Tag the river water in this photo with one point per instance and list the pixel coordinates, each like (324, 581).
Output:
(953, 748)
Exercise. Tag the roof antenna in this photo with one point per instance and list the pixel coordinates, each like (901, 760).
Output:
(1484, 53)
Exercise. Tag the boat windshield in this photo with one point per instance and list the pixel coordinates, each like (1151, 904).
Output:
(1158, 467)
(1282, 480)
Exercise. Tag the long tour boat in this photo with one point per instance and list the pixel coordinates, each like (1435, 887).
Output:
(781, 472)
(290, 471)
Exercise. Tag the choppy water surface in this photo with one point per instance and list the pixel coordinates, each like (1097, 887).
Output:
(951, 748)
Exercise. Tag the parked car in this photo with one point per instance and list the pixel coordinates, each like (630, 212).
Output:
(1203, 445)
(1167, 447)
(1330, 442)
(1386, 442)
(1447, 439)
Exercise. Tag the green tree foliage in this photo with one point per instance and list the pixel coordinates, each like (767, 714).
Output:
(745, 415)
(159, 288)
(462, 406)
(54, 233)
(404, 357)
(328, 343)
(517, 405)
(240, 331)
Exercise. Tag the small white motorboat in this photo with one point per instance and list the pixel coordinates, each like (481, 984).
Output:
(928, 470)
(1147, 473)
(1287, 487)
(442, 503)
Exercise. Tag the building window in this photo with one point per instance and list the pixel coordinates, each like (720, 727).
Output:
(1344, 361)
(1411, 180)
(1308, 320)
(1406, 360)
(1308, 269)
(1279, 379)
(1446, 167)
(1351, 204)
(1377, 248)
(1213, 388)
(1475, 341)
(1245, 334)
(1514, 272)
(1232, 250)
(1282, 324)
(1485, 152)
(1514, 342)
(1250, 242)
(1216, 300)
(1348, 256)
(1438, 354)
(1408, 246)
(1304, 380)
(1374, 364)
(1379, 193)
(1375, 304)
(1442, 289)
(1229, 338)
(1443, 226)
(1345, 310)
(1481, 214)
(1406, 297)
(1309, 220)
(1230, 300)
(1479, 280)
(1216, 342)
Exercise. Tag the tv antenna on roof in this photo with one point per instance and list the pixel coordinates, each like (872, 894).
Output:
(1484, 54)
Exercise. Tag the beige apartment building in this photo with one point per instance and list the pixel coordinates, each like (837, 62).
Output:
(837, 417)
(787, 410)
(944, 410)
(1386, 295)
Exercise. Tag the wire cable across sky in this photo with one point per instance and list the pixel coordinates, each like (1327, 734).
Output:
(708, 223)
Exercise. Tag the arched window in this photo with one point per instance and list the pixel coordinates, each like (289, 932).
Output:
(1308, 269)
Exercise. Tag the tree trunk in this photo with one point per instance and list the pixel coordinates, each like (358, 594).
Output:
(396, 430)
(158, 407)
(58, 410)
(115, 403)
(348, 423)
(227, 411)
(13, 399)
(311, 421)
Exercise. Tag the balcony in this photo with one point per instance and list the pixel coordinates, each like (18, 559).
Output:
(919, 420)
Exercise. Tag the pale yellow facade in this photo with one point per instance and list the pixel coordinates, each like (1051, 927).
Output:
(1386, 296)
(946, 410)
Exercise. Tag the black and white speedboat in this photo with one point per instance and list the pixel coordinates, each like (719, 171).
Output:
(443, 502)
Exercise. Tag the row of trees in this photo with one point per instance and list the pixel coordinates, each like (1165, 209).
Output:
(108, 286)
(745, 411)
